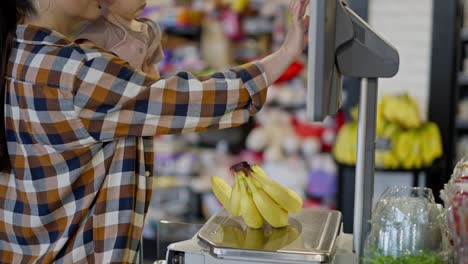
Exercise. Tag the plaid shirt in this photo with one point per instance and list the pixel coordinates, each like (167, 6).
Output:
(79, 123)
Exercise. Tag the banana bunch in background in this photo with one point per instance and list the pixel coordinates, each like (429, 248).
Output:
(403, 140)
(345, 148)
(256, 198)
(418, 148)
(403, 110)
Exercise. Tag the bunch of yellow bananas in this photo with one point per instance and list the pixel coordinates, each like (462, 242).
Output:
(419, 148)
(403, 141)
(256, 197)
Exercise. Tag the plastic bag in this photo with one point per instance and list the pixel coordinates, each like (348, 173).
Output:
(407, 226)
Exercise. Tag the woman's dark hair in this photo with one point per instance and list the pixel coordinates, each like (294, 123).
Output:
(11, 13)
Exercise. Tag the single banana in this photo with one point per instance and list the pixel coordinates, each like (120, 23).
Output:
(413, 117)
(284, 197)
(257, 184)
(344, 150)
(381, 121)
(436, 140)
(355, 113)
(249, 212)
(393, 152)
(413, 153)
(390, 108)
(403, 148)
(342, 146)
(337, 151)
(380, 125)
(418, 143)
(222, 190)
(271, 212)
(234, 202)
(427, 149)
(353, 143)
(394, 163)
(379, 159)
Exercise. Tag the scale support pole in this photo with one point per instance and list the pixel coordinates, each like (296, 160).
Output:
(364, 185)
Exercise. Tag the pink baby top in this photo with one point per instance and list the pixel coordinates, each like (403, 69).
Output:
(139, 44)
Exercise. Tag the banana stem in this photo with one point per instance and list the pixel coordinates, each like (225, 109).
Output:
(243, 167)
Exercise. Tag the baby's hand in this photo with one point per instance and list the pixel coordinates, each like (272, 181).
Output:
(294, 43)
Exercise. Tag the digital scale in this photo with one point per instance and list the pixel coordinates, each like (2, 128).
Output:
(312, 236)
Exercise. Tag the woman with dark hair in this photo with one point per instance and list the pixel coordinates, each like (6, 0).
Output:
(78, 126)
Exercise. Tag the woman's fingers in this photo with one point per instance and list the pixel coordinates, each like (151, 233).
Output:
(306, 22)
(304, 5)
(298, 9)
(291, 4)
(295, 9)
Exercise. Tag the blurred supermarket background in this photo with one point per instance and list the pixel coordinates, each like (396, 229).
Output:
(423, 112)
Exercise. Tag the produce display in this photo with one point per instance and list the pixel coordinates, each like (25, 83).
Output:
(256, 198)
(422, 258)
(403, 140)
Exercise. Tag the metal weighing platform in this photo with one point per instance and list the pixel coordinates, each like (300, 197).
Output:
(312, 236)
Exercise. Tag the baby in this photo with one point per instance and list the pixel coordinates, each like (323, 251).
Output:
(120, 30)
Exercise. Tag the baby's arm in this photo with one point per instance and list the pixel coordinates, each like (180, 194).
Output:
(151, 69)
(155, 50)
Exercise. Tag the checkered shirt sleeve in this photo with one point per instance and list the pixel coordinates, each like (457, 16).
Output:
(115, 100)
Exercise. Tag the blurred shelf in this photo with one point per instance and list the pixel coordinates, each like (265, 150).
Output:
(286, 108)
(414, 171)
(463, 78)
(462, 124)
(258, 34)
(464, 35)
(191, 32)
